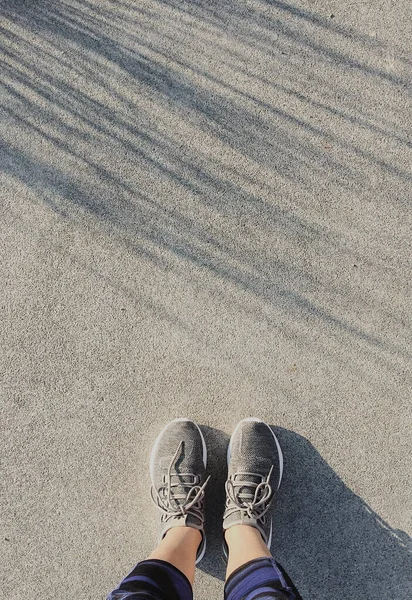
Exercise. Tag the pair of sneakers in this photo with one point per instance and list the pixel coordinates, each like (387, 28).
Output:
(178, 473)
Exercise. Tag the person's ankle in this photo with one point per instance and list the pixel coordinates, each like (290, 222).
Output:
(189, 533)
(242, 530)
(183, 538)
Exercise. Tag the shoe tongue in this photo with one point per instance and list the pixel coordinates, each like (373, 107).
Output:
(247, 478)
(247, 492)
(179, 490)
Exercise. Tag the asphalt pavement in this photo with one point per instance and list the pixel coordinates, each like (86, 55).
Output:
(205, 212)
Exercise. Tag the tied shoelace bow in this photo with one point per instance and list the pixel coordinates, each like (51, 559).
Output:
(174, 504)
(255, 506)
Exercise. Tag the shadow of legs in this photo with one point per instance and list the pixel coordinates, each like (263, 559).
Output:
(217, 442)
(332, 544)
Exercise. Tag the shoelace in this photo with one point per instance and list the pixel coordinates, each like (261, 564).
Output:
(258, 506)
(179, 504)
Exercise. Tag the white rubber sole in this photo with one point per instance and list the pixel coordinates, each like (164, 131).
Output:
(204, 457)
(229, 453)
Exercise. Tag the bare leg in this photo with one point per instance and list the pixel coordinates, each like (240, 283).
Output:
(179, 547)
(245, 543)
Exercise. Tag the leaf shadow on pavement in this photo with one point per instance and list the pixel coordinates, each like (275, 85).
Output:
(82, 77)
(332, 544)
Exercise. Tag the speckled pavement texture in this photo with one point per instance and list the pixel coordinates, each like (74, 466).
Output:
(205, 212)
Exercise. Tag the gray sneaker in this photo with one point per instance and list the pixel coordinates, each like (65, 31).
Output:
(255, 466)
(177, 470)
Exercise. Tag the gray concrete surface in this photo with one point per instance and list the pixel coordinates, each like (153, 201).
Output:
(205, 212)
